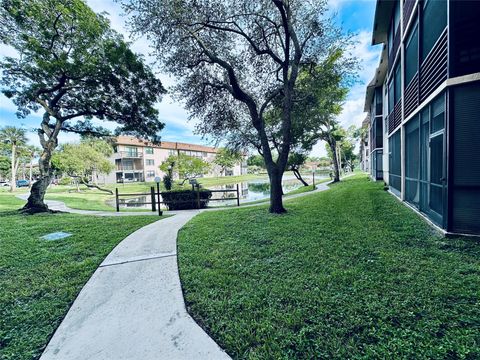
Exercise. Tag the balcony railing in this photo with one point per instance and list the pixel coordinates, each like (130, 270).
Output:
(130, 154)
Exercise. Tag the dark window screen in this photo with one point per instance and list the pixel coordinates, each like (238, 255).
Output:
(466, 159)
(411, 56)
(434, 21)
(398, 83)
(412, 161)
(395, 161)
(438, 114)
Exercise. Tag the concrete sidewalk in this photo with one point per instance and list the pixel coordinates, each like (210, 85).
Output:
(132, 307)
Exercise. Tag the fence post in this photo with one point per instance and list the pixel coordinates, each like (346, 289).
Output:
(116, 200)
(313, 180)
(238, 196)
(152, 196)
(198, 196)
(160, 212)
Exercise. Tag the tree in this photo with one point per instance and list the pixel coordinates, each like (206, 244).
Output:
(82, 161)
(16, 138)
(321, 92)
(73, 68)
(256, 160)
(233, 59)
(227, 158)
(295, 160)
(186, 166)
(5, 167)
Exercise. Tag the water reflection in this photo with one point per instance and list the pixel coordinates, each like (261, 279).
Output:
(248, 190)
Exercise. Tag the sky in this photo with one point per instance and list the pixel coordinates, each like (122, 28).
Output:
(355, 16)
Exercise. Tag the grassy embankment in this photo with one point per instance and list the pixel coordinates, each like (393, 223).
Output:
(40, 279)
(346, 273)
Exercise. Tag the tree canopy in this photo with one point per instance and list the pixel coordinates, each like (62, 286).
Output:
(233, 59)
(73, 67)
(84, 160)
(185, 166)
(227, 158)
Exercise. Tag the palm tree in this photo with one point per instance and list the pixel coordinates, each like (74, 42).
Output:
(16, 138)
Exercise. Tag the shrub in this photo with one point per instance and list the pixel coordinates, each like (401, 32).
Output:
(186, 199)
(167, 181)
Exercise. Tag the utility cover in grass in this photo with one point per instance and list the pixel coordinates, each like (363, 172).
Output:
(56, 236)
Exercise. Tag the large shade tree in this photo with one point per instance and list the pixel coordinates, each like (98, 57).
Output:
(233, 58)
(16, 140)
(73, 67)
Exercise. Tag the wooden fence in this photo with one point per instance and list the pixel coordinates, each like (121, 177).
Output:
(156, 199)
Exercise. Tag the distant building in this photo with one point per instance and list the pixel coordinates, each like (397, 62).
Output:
(364, 146)
(139, 160)
(424, 106)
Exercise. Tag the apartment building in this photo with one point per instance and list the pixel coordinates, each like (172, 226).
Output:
(139, 160)
(424, 108)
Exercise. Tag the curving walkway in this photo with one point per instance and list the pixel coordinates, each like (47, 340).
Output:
(133, 307)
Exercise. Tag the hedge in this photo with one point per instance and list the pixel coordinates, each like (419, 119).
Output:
(186, 199)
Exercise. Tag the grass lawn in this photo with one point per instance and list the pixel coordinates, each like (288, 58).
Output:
(347, 273)
(40, 279)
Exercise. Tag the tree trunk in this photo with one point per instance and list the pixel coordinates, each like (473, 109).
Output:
(276, 191)
(95, 186)
(299, 177)
(13, 182)
(35, 203)
(336, 170)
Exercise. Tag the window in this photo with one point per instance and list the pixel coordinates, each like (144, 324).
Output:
(390, 96)
(149, 150)
(378, 101)
(398, 83)
(127, 165)
(411, 56)
(150, 162)
(150, 173)
(434, 20)
(438, 114)
(131, 150)
(394, 25)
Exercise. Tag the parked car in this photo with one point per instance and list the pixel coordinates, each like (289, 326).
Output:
(4, 184)
(23, 183)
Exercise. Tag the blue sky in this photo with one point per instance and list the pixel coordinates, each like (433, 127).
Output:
(355, 15)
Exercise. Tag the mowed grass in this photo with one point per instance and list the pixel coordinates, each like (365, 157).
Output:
(349, 273)
(40, 279)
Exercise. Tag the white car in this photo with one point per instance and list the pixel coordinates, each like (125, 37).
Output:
(4, 184)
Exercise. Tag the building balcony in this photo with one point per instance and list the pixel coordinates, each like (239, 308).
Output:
(129, 155)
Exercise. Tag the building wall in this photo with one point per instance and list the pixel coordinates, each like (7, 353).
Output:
(147, 160)
(431, 104)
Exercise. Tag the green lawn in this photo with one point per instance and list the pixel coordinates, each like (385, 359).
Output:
(348, 273)
(40, 279)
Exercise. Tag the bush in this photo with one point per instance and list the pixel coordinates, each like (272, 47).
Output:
(67, 180)
(185, 199)
(167, 181)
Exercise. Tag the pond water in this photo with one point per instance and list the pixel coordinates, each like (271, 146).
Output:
(253, 190)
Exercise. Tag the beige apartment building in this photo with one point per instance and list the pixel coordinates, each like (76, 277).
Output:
(138, 160)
